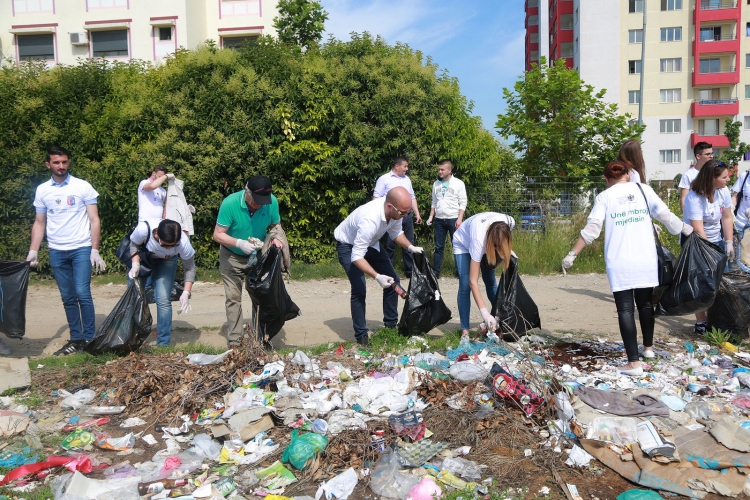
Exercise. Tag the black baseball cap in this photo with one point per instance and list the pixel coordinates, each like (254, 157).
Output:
(260, 187)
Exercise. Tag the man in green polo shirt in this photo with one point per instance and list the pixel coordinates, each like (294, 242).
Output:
(242, 215)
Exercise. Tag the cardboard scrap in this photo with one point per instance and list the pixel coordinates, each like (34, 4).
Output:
(14, 373)
(12, 422)
(728, 432)
(219, 429)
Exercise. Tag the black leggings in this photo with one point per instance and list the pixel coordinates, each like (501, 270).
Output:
(625, 310)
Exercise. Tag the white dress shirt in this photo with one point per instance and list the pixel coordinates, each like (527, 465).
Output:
(365, 226)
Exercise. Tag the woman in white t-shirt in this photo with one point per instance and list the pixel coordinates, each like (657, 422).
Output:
(480, 244)
(708, 209)
(631, 154)
(629, 253)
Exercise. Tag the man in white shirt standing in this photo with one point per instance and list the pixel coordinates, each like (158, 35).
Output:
(397, 177)
(448, 207)
(360, 253)
(66, 207)
(151, 195)
(703, 152)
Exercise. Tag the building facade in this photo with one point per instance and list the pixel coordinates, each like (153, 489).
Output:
(63, 31)
(696, 69)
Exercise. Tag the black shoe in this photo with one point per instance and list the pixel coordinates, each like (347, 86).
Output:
(700, 328)
(72, 347)
(364, 341)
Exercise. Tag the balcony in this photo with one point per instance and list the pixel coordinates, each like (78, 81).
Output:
(725, 75)
(718, 4)
(716, 43)
(715, 107)
(717, 141)
(716, 10)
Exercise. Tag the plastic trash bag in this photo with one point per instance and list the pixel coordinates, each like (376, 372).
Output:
(697, 277)
(14, 283)
(128, 325)
(731, 308)
(516, 310)
(177, 288)
(618, 430)
(387, 481)
(303, 449)
(77, 400)
(339, 487)
(265, 285)
(207, 359)
(424, 308)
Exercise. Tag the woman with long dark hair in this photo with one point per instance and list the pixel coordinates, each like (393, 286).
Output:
(631, 154)
(626, 209)
(708, 211)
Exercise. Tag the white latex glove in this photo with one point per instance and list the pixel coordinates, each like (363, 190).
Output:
(513, 254)
(567, 262)
(134, 270)
(245, 246)
(384, 281)
(747, 214)
(429, 221)
(170, 177)
(657, 228)
(96, 261)
(687, 229)
(191, 208)
(414, 249)
(730, 249)
(185, 303)
(489, 320)
(33, 257)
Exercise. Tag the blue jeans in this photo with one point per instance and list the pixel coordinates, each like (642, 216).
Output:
(463, 261)
(441, 227)
(72, 271)
(407, 225)
(738, 235)
(382, 265)
(163, 281)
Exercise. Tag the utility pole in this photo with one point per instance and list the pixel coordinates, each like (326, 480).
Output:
(643, 66)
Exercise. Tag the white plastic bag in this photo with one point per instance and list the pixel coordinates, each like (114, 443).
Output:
(206, 446)
(339, 487)
(467, 371)
(618, 430)
(387, 481)
(207, 359)
(77, 400)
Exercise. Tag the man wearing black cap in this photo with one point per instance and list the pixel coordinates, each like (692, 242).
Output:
(242, 215)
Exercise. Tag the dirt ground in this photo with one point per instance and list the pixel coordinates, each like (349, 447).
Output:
(581, 305)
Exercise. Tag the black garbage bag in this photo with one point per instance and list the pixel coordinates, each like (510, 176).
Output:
(516, 310)
(659, 290)
(265, 285)
(731, 308)
(14, 283)
(697, 277)
(177, 288)
(424, 308)
(128, 325)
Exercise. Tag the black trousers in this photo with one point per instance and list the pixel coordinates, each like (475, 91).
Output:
(626, 302)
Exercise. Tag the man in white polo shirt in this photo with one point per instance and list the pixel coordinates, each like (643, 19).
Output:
(397, 177)
(703, 152)
(151, 195)
(66, 207)
(359, 251)
(448, 207)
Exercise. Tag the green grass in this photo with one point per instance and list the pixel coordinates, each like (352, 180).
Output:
(323, 270)
(39, 493)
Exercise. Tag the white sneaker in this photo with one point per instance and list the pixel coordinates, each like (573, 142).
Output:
(4, 349)
(649, 354)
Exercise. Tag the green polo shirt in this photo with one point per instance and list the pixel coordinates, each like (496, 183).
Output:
(234, 215)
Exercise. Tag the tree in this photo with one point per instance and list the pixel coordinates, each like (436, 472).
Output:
(559, 125)
(300, 22)
(736, 151)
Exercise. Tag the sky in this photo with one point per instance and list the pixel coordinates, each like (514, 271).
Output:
(480, 42)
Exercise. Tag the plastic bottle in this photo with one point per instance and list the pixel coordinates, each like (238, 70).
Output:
(153, 487)
(399, 290)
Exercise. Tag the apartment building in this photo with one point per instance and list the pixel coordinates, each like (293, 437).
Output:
(64, 31)
(696, 69)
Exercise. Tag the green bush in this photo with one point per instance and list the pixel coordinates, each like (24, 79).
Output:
(323, 126)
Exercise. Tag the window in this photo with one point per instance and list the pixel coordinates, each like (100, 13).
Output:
(566, 49)
(165, 34)
(33, 6)
(109, 43)
(747, 29)
(635, 6)
(710, 34)
(533, 20)
(534, 55)
(534, 38)
(709, 94)
(747, 91)
(747, 118)
(634, 96)
(747, 60)
(710, 65)
(671, 34)
(635, 36)
(670, 95)
(634, 67)
(669, 126)
(671, 4)
(672, 65)
(533, 3)
(106, 4)
(236, 42)
(708, 127)
(36, 47)
(566, 22)
(669, 156)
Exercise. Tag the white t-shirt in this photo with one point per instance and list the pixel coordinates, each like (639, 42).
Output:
(68, 225)
(634, 176)
(741, 220)
(688, 178)
(698, 208)
(629, 246)
(184, 249)
(150, 203)
(472, 234)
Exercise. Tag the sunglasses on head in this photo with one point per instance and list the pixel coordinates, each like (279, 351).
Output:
(402, 214)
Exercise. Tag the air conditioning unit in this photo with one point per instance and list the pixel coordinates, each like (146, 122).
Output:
(80, 38)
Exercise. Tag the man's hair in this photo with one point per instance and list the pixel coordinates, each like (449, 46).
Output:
(169, 231)
(701, 147)
(57, 150)
(446, 162)
(160, 168)
(399, 161)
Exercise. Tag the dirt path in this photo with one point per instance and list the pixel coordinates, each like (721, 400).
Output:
(579, 304)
